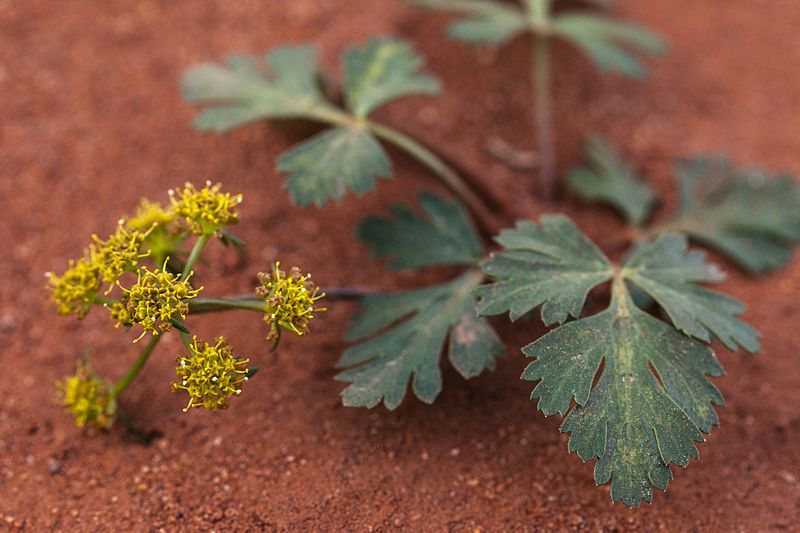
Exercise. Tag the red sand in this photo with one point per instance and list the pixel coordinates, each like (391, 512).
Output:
(92, 121)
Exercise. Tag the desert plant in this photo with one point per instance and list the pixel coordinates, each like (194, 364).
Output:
(632, 385)
(347, 155)
(631, 376)
(143, 277)
(607, 43)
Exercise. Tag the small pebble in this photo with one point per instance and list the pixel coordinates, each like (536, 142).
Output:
(53, 466)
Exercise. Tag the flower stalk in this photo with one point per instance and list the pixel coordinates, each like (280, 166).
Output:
(126, 380)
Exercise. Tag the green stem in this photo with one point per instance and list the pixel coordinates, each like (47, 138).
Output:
(254, 303)
(539, 10)
(210, 305)
(120, 386)
(194, 255)
(445, 173)
(485, 219)
(543, 115)
(187, 341)
(103, 300)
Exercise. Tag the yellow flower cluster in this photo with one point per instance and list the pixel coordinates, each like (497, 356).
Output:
(103, 262)
(86, 397)
(150, 215)
(154, 301)
(205, 210)
(118, 254)
(75, 290)
(211, 374)
(289, 300)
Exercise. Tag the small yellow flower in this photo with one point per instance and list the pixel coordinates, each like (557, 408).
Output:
(120, 314)
(75, 290)
(205, 210)
(163, 233)
(86, 397)
(157, 298)
(289, 300)
(118, 254)
(150, 215)
(211, 374)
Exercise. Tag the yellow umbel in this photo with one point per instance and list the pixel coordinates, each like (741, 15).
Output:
(211, 374)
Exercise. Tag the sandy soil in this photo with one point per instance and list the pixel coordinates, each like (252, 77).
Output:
(92, 120)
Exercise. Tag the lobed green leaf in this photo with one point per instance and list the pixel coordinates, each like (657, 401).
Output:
(383, 70)
(609, 43)
(636, 420)
(551, 264)
(412, 329)
(245, 91)
(485, 22)
(331, 163)
(668, 272)
(634, 390)
(747, 215)
(608, 179)
(443, 236)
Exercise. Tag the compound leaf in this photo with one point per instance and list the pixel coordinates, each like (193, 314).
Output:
(608, 42)
(485, 22)
(551, 264)
(443, 236)
(330, 163)
(243, 91)
(633, 389)
(412, 328)
(649, 405)
(383, 70)
(608, 179)
(750, 217)
(666, 271)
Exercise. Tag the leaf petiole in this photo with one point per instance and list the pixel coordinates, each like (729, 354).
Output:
(449, 177)
(544, 115)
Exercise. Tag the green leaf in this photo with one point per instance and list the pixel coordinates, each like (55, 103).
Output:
(330, 163)
(443, 236)
(632, 388)
(383, 70)
(747, 215)
(666, 271)
(412, 328)
(608, 42)
(608, 179)
(636, 422)
(243, 91)
(485, 22)
(552, 264)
